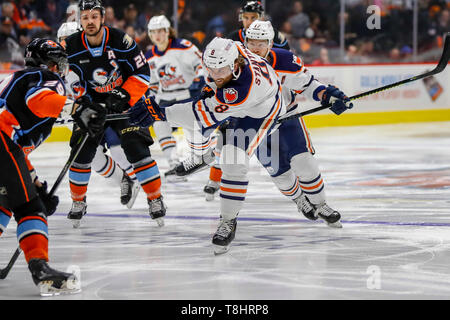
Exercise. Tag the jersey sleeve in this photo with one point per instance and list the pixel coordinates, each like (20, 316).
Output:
(133, 59)
(196, 60)
(46, 98)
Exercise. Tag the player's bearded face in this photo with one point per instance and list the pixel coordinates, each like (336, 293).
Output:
(221, 76)
(259, 47)
(91, 21)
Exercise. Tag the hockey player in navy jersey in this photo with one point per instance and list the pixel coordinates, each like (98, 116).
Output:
(176, 74)
(114, 71)
(296, 173)
(30, 102)
(116, 167)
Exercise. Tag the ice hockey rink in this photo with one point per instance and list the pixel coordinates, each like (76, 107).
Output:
(391, 184)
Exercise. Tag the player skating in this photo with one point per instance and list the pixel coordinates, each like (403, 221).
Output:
(246, 91)
(115, 167)
(295, 171)
(114, 71)
(30, 102)
(176, 75)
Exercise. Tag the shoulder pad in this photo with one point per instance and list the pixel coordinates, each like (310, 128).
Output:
(286, 61)
(238, 90)
(181, 44)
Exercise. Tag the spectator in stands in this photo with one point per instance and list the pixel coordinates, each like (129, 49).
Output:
(52, 13)
(323, 59)
(111, 20)
(10, 51)
(130, 16)
(299, 21)
(352, 55)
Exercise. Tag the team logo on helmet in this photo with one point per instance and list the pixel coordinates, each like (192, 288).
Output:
(230, 95)
(52, 44)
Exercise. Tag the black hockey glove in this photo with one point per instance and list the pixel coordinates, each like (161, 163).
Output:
(206, 92)
(50, 202)
(90, 117)
(145, 112)
(337, 99)
(117, 101)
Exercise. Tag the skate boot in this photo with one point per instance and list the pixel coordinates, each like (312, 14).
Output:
(224, 235)
(171, 175)
(331, 216)
(306, 207)
(157, 210)
(129, 190)
(210, 190)
(77, 212)
(52, 282)
(194, 163)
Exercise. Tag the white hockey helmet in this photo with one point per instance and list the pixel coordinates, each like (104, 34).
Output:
(67, 29)
(221, 53)
(158, 22)
(260, 30)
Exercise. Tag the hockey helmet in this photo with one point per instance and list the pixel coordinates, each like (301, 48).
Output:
(260, 30)
(158, 22)
(252, 6)
(67, 29)
(91, 5)
(42, 52)
(220, 53)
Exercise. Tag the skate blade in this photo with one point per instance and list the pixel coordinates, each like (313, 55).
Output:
(209, 197)
(336, 225)
(160, 222)
(134, 194)
(46, 288)
(219, 250)
(76, 223)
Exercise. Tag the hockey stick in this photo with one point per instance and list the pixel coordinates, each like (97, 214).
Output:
(80, 143)
(439, 68)
(109, 117)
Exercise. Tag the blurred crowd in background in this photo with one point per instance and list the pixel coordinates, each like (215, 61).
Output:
(312, 27)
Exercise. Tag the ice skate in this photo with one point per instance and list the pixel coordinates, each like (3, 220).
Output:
(331, 216)
(224, 235)
(52, 282)
(129, 190)
(211, 189)
(194, 163)
(306, 207)
(77, 212)
(171, 175)
(157, 210)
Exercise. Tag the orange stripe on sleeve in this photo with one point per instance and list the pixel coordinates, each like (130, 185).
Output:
(47, 104)
(136, 88)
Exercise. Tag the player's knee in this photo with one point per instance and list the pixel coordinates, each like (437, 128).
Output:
(234, 161)
(305, 165)
(35, 207)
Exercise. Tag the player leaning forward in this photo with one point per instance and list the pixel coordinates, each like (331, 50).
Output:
(30, 102)
(114, 71)
(246, 90)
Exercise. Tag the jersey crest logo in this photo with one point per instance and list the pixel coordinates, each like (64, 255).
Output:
(168, 76)
(297, 61)
(230, 95)
(100, 76)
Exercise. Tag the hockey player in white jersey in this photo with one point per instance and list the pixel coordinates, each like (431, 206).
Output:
(296, 172)
(245, 89)
(116, 166)
(176, 74)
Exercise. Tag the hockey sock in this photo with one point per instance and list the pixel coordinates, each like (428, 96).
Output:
(32, 234)
(147, 173)
(314, 189)
(105, 166)
(167, 142)
(232, 197)
(5, 217)
(119, 157)
(306, 168)
(288, 184)
(79, 180)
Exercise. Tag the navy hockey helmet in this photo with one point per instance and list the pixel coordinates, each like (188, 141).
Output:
(46, 52)
(91, 5)
(252, 6)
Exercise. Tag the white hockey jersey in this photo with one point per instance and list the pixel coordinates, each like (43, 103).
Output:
(173, 70)
(256, 93)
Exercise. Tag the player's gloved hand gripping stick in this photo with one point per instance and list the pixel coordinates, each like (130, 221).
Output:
(439, 68)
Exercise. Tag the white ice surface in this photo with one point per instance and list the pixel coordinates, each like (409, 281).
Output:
(391, 183)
